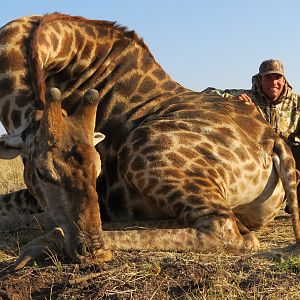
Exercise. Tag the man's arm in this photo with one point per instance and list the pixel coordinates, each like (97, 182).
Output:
(244, 95)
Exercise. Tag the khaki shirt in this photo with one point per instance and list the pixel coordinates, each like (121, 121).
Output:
(283, 115)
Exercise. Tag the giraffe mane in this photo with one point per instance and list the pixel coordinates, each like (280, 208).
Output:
(38, 73)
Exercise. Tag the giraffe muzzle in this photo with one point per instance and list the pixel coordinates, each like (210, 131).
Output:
(88, 248)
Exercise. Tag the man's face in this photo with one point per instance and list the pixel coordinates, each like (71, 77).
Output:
(272, 85)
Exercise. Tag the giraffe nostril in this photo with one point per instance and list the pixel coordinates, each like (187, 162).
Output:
(82, 249)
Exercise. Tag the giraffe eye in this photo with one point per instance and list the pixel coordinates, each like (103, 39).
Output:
(45, 176)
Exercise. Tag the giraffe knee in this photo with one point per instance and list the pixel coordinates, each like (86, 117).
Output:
(223, 233)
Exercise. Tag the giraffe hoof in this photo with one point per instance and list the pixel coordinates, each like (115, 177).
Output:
(251, 243)
(29, 253)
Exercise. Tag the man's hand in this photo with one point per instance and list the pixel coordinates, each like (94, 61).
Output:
(244, 97)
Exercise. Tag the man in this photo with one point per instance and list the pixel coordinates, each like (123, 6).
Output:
(274, 98)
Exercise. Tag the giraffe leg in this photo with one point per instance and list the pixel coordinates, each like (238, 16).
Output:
(170, 237)
(250, 240)
(224, 233)
(206, 211)
(18, 202)
(21, 209)
(38, 221)
(286, 209)
(207, 234)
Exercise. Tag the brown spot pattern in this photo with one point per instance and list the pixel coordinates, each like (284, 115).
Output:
(147, 85)
(53, 40)
(7, 85)
(138, 164)
(11, 60)
(159, 74)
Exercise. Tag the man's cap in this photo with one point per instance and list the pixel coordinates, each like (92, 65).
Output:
(271, 66)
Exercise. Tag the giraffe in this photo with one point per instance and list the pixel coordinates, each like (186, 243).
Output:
(215, 168)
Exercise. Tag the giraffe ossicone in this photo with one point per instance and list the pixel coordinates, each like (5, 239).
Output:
(211, 166)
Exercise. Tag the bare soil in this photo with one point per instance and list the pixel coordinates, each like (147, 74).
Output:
(271, 273)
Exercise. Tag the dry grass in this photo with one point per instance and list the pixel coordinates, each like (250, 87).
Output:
(269, 274)
(11, 175)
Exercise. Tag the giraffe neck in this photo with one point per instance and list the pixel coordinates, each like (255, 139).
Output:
(75, 54)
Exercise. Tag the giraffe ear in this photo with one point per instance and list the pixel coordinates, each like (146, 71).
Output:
(98, 137)
(10, 146)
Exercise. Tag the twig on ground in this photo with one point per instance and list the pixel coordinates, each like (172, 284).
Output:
(95, 275)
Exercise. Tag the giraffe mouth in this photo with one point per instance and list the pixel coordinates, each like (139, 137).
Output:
(88, 249)
(101, 255)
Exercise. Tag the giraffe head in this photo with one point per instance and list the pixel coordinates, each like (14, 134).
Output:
(61, 168)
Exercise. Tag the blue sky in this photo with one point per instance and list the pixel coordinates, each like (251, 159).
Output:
(199, 43)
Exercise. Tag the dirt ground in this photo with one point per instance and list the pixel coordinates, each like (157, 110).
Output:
(271, 273)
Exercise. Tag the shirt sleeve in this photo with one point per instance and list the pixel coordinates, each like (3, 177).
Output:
(226, 93)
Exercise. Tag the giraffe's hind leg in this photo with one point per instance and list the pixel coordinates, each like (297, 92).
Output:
(20, 201)
(225, 233)
(217, 226)
(250, 240)
(21, 209)
(196, 202)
